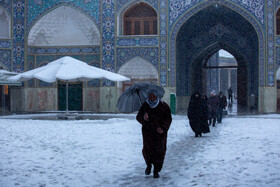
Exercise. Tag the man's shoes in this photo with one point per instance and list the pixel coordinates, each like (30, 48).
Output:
(156, 175)
(196, 135)
(148, 170)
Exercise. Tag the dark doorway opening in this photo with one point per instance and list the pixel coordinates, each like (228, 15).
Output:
(199, 76)
(220, 74)
(5, 105)
(75, 98)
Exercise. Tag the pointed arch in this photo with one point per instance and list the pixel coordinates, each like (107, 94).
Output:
(64, 26)
(176, 27)
(5, 22)
(137, 18)
(138, 69)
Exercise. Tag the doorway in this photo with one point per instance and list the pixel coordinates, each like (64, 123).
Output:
(75, 96)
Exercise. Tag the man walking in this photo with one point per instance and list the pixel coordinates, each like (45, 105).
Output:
(222, 106)
(213, 103)
(155, 117)
(230, 95)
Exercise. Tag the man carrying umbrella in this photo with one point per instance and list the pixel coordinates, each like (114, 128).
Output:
(155, 117)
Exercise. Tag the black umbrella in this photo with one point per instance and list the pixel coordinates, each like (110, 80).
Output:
(134, 96)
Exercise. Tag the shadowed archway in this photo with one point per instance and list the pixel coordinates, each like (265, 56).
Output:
(206, 32)
(198, 73)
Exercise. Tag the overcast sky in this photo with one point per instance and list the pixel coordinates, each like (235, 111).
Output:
(223, 53)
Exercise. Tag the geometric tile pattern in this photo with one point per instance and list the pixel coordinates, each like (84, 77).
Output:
(151, 41)
(5, 44)
(108, 37)
(7, 5)
(270, 43)
(178, 7)
(37, 8)
(163, 42)
(18, 35)
(63, 50)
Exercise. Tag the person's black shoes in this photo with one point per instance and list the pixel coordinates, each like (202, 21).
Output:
(200, 134)
(196, 135)
(148, 170)
(156, 175)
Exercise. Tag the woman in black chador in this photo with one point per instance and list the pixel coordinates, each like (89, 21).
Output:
(195, 114)
(205, 115)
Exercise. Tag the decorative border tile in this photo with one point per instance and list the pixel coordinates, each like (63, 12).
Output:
(5, 44)
(64, 50)
(270, 43)
(108, 38)
(127, 42)
(163, 42)
(150, 54)
(18, 35)
(178, 8)
(121, 3)
(277, 40)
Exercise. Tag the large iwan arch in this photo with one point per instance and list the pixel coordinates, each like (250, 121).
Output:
(64, 26)
(205, 30)
(64, 30)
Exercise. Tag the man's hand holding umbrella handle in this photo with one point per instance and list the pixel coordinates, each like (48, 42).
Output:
(146, 117)
(159, 130)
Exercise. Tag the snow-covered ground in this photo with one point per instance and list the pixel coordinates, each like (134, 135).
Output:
(242, 151)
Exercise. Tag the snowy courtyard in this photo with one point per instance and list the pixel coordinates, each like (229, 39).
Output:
(242, 151)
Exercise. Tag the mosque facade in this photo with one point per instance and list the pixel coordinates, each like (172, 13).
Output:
(165, 42)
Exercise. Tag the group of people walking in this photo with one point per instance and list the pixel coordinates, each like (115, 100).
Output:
(204, 111)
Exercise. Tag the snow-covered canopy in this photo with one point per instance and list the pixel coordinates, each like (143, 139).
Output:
(4, 75)
(68, 69)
